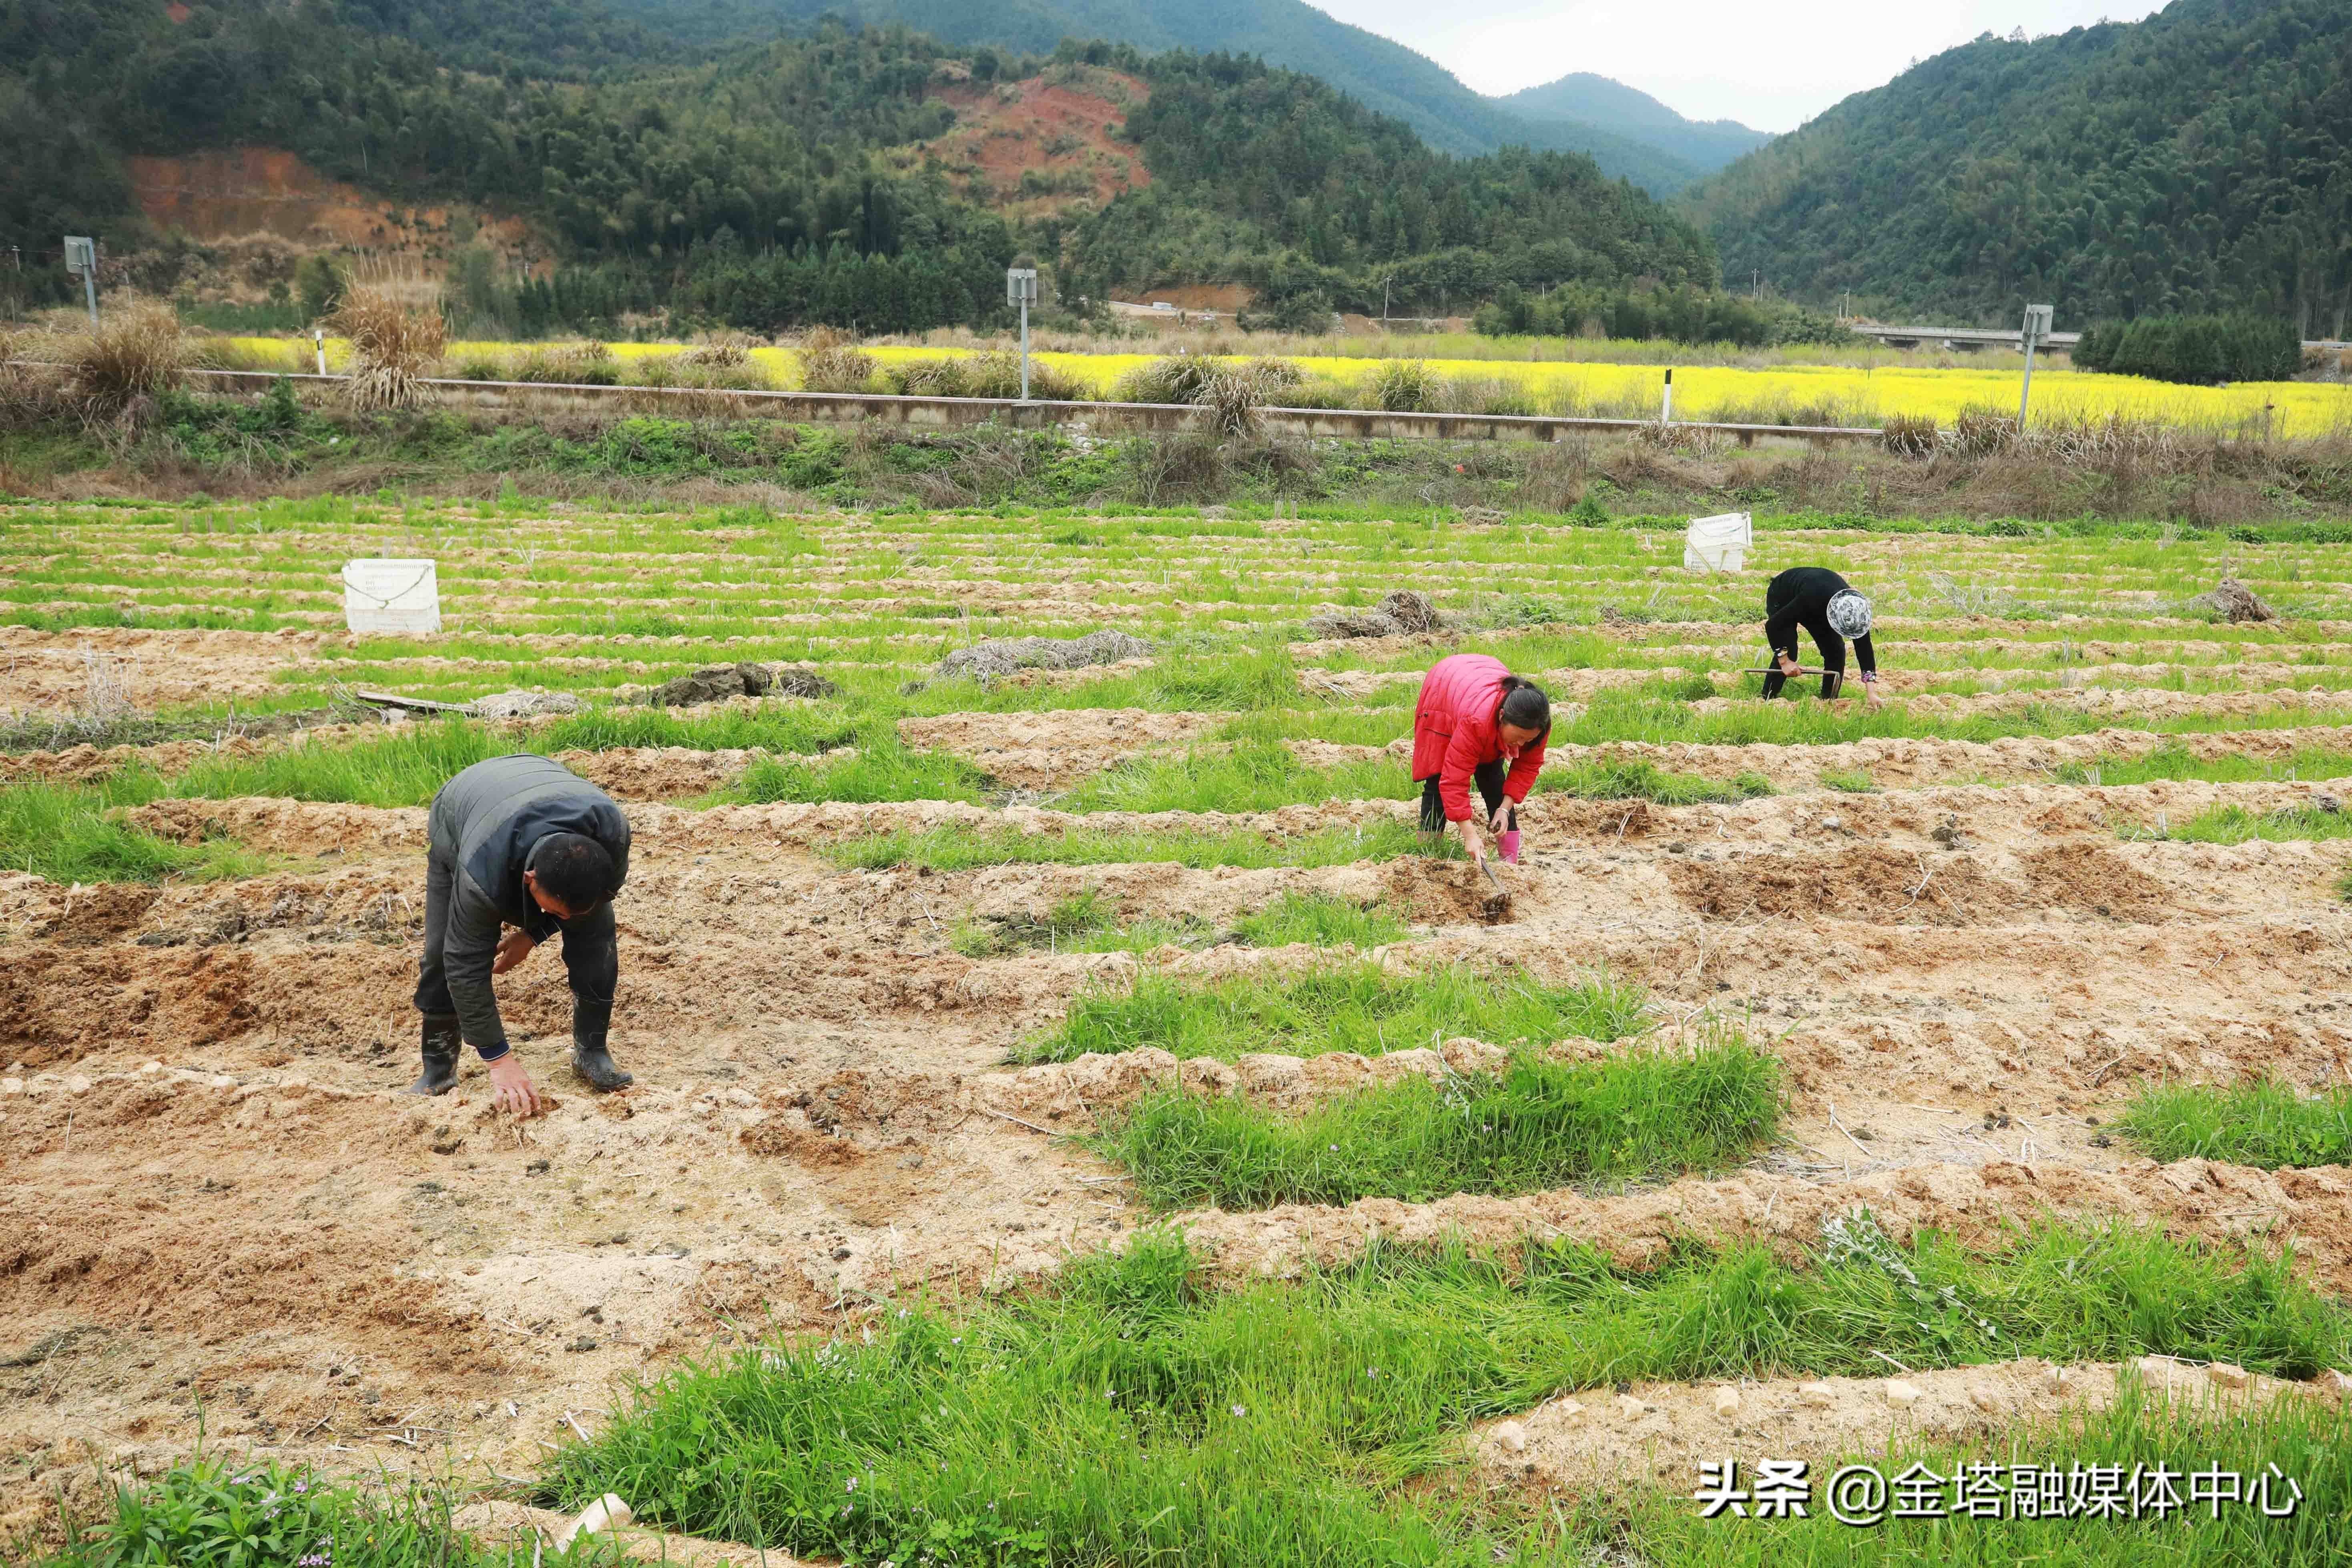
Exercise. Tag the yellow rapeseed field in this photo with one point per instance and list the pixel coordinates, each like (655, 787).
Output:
(1831, 395)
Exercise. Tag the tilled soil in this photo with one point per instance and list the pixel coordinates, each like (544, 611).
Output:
(53, 671)
(218, 1207)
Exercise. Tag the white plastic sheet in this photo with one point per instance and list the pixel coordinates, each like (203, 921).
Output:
(1718, 543)
(394, 596)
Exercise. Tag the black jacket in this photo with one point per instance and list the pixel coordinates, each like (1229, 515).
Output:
(483, 825)
(1801, 597)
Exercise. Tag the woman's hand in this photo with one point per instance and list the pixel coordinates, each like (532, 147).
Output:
(1471, 842)
(1504, 818)
(1790, 666)
(1869, 690)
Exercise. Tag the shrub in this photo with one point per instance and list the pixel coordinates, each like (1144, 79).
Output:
(1173, 378)
(395, 343)
(114, 371)
(835, 367)
(1231, 398)
(571, 364)
(1406, 386)
(1908, 434)
(720, 353)
(927, 378)
(998, 374)
(1308, 313)
(1981, 431)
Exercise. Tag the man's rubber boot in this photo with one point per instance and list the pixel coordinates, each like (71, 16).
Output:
(590, 1060)
(442, 1044)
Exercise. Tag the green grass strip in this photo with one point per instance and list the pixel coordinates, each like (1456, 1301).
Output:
(2176, 763)
(1353, 1006)
(1132, 1414)
(1249, 775)
(2236, 825)
(1646, 780)
(1319, 920)
(405, 768)
(2263, 1122)
(798, 728)
(883, 772)
(1538, 1124)
(214, 1511)
(958, 848)
(63, 832)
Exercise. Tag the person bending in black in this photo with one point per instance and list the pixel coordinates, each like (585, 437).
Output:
(1822, 602)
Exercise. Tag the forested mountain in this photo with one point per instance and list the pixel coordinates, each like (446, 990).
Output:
(1247, 159)
(2199, 161)
(1610, 105)
(803, 178)
(1379, 73)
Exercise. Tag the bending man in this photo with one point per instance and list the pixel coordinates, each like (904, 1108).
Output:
(524, 842)
(1473, 716)
(1820, 601)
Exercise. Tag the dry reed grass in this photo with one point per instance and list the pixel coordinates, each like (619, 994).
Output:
(831, 361)
(113, 371)
(391, 318)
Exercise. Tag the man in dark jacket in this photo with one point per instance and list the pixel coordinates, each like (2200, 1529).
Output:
(518, 841)
(1821, 602)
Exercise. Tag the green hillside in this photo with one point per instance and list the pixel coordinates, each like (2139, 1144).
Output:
(1379, 73)
(1610, 106)
(770, 185)
(2199, 161)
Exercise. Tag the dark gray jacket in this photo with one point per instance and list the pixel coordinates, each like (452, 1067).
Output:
(482, 826)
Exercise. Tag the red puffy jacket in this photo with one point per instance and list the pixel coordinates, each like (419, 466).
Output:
(1454, 732)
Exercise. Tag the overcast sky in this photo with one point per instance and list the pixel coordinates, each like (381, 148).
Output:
(1769, 64)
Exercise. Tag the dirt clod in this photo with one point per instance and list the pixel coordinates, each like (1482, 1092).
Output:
(713, 685)
(1402, 612)
(2240, 604)
(997, 656)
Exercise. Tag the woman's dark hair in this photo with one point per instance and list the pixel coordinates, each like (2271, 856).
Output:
(573, 869)
(1523, 706)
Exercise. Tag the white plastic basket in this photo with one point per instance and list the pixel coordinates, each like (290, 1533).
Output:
(394, 596)
(1718, 543)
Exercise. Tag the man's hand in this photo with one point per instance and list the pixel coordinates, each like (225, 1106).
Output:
(513, 948)
(1790, 666)
(512, 1085)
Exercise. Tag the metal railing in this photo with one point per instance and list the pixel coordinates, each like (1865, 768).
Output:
(1353, 423)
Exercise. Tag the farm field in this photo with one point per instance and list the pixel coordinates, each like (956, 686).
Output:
(1834, 393)
(1076, 1118)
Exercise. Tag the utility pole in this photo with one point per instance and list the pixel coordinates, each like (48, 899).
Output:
(1021, 288)
(81, 257)
(2037, 327)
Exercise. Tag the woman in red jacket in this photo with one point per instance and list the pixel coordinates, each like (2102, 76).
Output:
(1473, 716)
